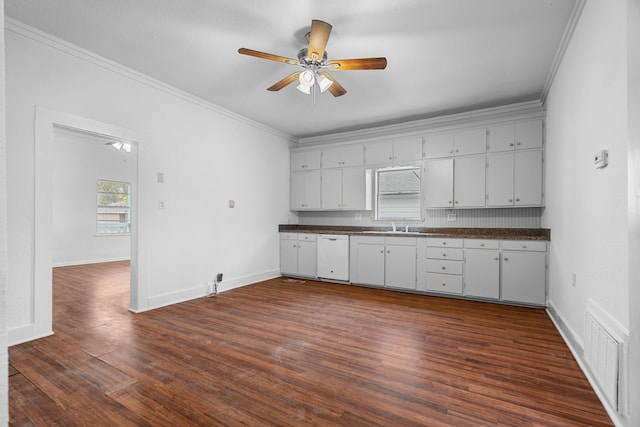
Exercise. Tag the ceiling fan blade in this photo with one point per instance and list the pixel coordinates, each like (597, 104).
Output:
(284, 82)
(269, 56)
(336, 88)
(318, 38)
(357, 64)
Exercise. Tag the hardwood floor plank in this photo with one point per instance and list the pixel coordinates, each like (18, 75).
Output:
(284, 354)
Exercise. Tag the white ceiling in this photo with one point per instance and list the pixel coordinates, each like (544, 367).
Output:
(444, 56)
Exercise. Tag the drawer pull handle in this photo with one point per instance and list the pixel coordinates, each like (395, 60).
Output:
(444, 243)
(482, 245)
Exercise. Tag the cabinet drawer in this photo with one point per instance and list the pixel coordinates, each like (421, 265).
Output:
(444, 267)
(307, 237)
(445, 253)
(481, 244)
(444, 243)
(289, 236)
(444, 283)
(524, 245)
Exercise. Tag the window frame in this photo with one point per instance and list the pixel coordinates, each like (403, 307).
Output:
(376, 193)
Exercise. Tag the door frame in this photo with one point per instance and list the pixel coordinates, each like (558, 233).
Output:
(45, 121)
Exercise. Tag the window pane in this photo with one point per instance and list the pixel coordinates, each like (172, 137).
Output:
(398, 193)
(397, 181)
(113, 207)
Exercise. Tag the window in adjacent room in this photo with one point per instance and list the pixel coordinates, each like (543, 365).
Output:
(113, 207)
(398, 193)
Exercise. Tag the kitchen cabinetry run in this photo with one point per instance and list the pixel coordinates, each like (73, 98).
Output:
(305, 160)
(383, 261)
(393, 153)
(305, 190)
(298, 254)
(459, 143)
(515, 179)
(340, 157)
(517, 136)
(343, 189)
(454, 183)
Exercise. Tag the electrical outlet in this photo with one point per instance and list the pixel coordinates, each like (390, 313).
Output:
(573, 279)
(357, 217)
(451, 217)
(219, 277)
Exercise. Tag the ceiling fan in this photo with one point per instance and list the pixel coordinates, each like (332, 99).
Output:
(315, 63)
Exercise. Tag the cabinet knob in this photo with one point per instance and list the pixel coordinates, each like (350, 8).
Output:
(523, 246)
(443, 284)
(510, 200)
(457, 150)
(511, 144)
(496, 258)
(444, 243)
(388, 252)
(506, 259)
(444, 254)
(444, 268)
(482, 245)
(450, 151)
(449, 201)
(381, 252)
(518, 143)
(390, 157)
(518, 199)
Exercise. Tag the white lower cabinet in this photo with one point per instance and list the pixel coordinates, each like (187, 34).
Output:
(383, 261)
(482, 269)
(298, 254)
(440, 265)
(524, 272)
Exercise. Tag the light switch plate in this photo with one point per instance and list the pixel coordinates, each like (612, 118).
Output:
(601, 159)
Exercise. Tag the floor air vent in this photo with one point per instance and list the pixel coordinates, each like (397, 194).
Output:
(605, 354)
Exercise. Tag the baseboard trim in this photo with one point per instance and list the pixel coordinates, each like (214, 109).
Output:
(576, 347)
(24, 334)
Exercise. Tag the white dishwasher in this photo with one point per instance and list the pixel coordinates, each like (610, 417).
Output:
(333, 257)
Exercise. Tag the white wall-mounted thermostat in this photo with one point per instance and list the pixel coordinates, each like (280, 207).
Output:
(601, 159)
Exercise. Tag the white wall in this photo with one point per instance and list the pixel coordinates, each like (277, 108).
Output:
(4, 375)
(633, 50)
(79, 160)
(207, 155)
(587, 207)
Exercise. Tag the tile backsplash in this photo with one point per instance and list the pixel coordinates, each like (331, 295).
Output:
(483, 218)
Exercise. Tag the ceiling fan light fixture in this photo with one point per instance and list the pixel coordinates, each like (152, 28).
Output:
(323, 83)
(306, 79)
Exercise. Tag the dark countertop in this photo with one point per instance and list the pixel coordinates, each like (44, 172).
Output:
(462, 233)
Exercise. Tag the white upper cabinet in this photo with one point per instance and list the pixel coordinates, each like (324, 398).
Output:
(460, 143)
(340, 157)
(343, 189)
(518, 136)
(305, 190)
(515, 179)
(454, 183)
(305, 160)
(398, 153)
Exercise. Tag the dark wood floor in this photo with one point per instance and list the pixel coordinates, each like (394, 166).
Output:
(285, 354)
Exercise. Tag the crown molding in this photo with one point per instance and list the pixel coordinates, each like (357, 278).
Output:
(484, 116)
(49, 40)
(562, 48)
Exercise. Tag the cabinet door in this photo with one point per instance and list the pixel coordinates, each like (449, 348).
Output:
(500, 180)
(524, 277)
(473, 141)
(307, 264)
(370, 264)
(501, 138)
(408, 151)
(332, 158)
(528, 178)
(352, 155)
(468, 182)
(437, 183)
(438, 146)
(305, 190)
(378, 153)
(353, 189)
(332, 189)
(528, 135)
(288, 256)
(305, 160)
(482, 273)
(400, 266)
